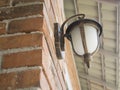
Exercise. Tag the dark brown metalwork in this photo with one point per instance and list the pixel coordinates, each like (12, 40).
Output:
(80, 22)
(57, 40)
(62, 28)
(87, 58)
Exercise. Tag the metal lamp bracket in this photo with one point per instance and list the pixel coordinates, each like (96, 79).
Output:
(57, 40)
(59, 35)
(80, 16)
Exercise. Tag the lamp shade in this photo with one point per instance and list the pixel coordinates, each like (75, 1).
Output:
(84, 36)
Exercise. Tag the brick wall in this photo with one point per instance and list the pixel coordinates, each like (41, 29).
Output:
(27, 53)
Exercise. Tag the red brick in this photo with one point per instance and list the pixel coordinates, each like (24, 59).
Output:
(23, 79)
(21, 59)
(16, 2)
(49, 12)
(4, 3)
(26, 25)
(2, 28)
(21, 11)
(49, 68)
(44, 82)
(7, 81)
(28, 78)
(54, 58)
(20, 41)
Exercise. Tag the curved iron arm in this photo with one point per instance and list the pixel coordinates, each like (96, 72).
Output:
(80, 16)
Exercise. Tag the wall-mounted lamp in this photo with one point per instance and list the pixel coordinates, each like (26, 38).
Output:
(84, 35)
